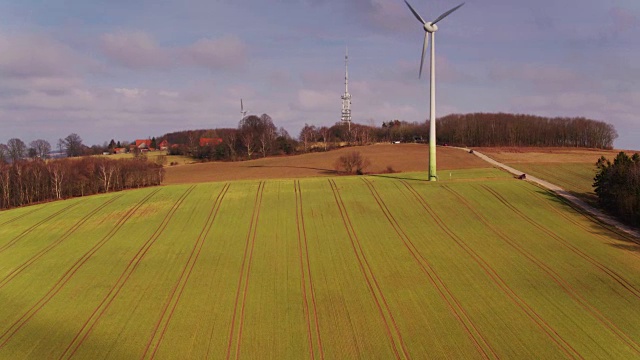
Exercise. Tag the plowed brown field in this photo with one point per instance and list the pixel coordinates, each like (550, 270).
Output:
(401, 157)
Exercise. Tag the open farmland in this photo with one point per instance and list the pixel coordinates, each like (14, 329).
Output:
(481, 266)
(570, 168)
(401, 157)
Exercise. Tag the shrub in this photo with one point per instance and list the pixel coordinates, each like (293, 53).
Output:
(352, 163)
(389, 170)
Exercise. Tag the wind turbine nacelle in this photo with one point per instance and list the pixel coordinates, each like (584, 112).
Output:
(429, 27)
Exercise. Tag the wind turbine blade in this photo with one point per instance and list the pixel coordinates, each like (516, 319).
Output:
(425, 44)
(415, 13)
(446, 14)
(241, 106)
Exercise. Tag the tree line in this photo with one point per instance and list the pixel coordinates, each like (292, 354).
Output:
(25, 182)
(71, 146)
(483, 129)
(258, 136)
(617, 185)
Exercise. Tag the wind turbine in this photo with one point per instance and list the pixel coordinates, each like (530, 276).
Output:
(243, 112)
(431, 28)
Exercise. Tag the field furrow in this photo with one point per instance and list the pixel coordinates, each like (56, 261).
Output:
(158, 247)
(592, 226)
(481, 343)
(552, 333)
(106, 302)
(243, 281)
(552, 274)
(177, 291)
(21, 267)
(617, 277)
(311, 315)
(30, 210)
(475, 266)
(395, 337)
(303, 281)
(348, 315)
(16, 325)
(24, 233)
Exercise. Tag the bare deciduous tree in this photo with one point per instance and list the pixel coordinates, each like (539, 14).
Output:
(4, 153)
(307, 135)
(352, 163)
(17, 149)
(73, 145)
(41, 148)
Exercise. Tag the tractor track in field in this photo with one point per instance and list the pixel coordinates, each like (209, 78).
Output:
(566, 348)
(246, 259)
(36, 225)
(609, 272)
(34, 309)
(564, 194)
(303, 286)
(17, 270)
(303, 249)
(452, 302)
(557, 278)
(582, 226)
(21, 216)
(181, 283)
(98, 312)
(369, 276)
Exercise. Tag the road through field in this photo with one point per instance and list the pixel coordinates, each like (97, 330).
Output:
(565, 195)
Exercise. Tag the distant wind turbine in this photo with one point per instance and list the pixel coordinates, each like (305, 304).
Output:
(431, 28)
(243, 112)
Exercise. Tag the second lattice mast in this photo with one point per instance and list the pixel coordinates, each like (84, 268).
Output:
(346, 97)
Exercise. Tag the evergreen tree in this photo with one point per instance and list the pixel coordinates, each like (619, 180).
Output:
(617, 185)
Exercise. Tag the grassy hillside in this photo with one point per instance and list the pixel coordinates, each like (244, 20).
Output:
(480, 266)
(571, 168)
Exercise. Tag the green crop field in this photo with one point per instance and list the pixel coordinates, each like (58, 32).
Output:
(575, 177)
(478, 265)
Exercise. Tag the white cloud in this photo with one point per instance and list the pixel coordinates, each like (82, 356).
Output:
(139, 50)
(542, 77)
(131, 93)
(26, 56)
(313, 100)
(135, 50)
(227, 52)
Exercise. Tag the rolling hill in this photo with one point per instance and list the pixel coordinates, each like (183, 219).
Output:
(478, 265)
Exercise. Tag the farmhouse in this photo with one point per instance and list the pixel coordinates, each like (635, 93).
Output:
(164, 145)
(143, 144)
(210, 141)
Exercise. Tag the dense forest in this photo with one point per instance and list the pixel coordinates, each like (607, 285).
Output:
(617, 185)
(25, 182)
(524, 130)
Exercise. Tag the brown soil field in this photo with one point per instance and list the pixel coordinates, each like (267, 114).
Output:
(515, 155)
(401, 157)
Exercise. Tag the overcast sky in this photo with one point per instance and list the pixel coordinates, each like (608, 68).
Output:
(127, 69)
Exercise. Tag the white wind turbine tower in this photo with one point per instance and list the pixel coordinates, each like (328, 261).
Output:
(243, 112)
(431, 28)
